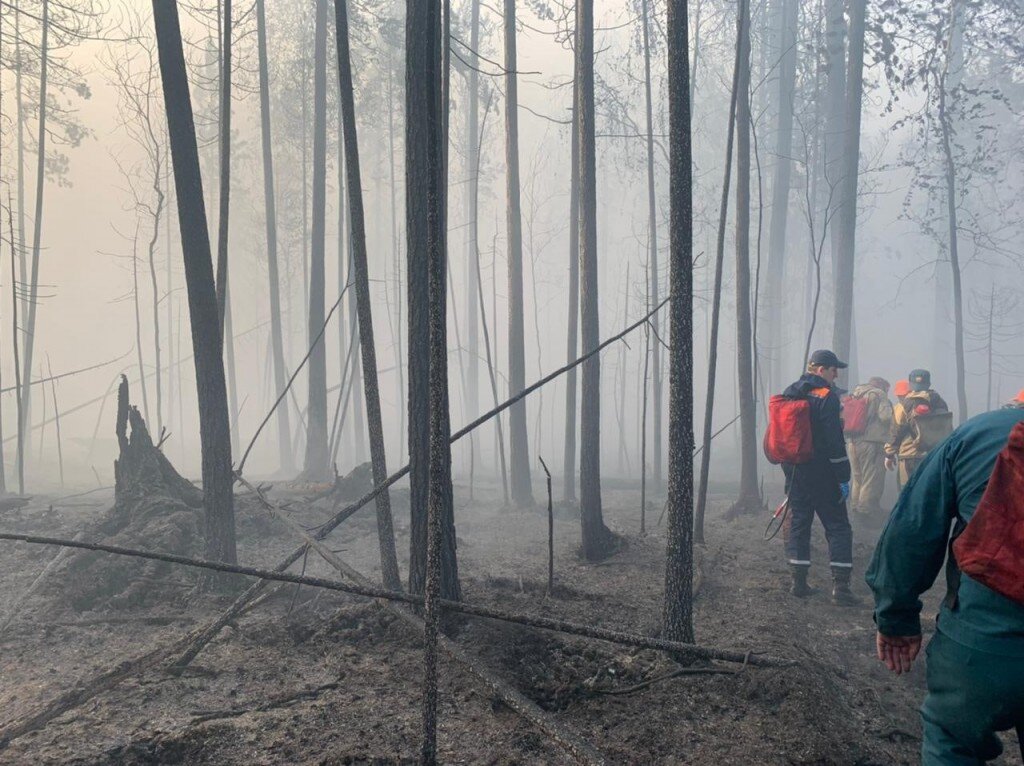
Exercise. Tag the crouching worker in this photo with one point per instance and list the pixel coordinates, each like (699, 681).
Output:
(974, 482)
(805, 435)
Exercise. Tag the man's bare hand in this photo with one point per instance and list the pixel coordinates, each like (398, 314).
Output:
(898, 652)
(890, 463)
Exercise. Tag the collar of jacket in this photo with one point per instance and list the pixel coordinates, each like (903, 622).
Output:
(817, 381)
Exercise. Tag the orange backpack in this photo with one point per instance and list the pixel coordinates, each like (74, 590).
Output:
(788, 438)
(855, 415)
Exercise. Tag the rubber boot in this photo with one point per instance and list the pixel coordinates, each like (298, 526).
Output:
(800, 588)
(841, 593)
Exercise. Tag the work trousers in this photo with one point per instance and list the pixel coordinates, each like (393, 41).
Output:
(812, 489)
(971, 695)
(867, 461)
(906, 468)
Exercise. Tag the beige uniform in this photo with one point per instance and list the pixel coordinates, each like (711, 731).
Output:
(905, 438)
(867, 452)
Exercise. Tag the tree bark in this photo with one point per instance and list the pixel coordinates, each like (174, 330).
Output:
(572, 332)
(842, 340)
(597, 539)
(749, 496)
(835, 105)
(954, 245)
(33, 286)
(652, 243)
(678, 608)
(202, 297)
(285, 457)
(385, 530)
(522, 492)
(317, 464)
(223, 217)
(425, 224)
(716, 301)
(789, 18)
(472, 214)
(425, 105)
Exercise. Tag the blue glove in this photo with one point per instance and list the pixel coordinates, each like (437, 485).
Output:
(844, 490)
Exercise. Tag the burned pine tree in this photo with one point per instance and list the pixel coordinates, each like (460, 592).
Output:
(677, 613)
(572, 331)
(845, 258)
(317, 465)
(385, 532)
(285, 456)
(716, 303)
(652, 247)
(522, 493)
(598, 541)
(749, 499)
(214, 431)
(425, 232)
(789, 21)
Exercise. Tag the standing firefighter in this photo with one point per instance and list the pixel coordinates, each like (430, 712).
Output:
(974, 483)
(867, 421)
(921, 420)
(805, 435)
(1017, 402)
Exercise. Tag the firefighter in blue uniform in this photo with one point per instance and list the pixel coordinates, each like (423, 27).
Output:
(976, 657)
(822, 485)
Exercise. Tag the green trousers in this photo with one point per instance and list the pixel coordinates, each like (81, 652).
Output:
(971, 696)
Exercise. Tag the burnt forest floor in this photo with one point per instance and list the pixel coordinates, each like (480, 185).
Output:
(323, 678)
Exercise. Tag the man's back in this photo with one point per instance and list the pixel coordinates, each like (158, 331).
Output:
(905, 438)
(946, 489)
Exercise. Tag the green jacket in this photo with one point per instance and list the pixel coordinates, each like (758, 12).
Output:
(945, 491)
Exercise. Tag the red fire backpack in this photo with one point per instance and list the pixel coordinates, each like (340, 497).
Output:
(855, 415)
(991, 547)
(788, 438)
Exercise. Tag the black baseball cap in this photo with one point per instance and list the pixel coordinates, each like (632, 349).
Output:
(920, 380)
(825, 358)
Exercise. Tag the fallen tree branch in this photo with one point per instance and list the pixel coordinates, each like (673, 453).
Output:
(15, 609)
(286, 700)
(581, 750)
(254, 590)
(371, 591)
(68, 374)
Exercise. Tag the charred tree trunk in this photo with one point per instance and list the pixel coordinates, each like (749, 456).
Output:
(598, 541)
(425, 237)
(19, 89)
(652, 244)
(678, 608)
(522, 492)
(716, 302)
(317, 466)
(472, 213)
(789, 22)
(202, 296)
(835, 105)
(18, 391)
(842, 340)
(33, 285)
(284, 429)
(954, 244)
(224, 150)
(385, 531)
(223, 218)
(572, 333)
(749, 496)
